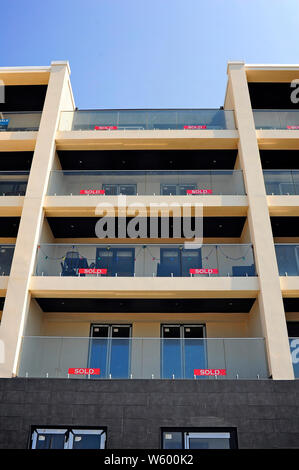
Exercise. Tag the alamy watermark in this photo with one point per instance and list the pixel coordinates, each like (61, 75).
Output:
(187, 221)
(295, 93)
(294, 345)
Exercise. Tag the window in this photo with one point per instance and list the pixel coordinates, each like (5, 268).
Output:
(117, 261)
(177, 262)
(199, 439)
(68, 438)
(117, 189)
(176, 189)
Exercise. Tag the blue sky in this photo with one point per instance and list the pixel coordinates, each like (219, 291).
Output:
(148, 53)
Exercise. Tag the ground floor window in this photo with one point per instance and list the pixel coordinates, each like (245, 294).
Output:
(199, 439)
(68, 438)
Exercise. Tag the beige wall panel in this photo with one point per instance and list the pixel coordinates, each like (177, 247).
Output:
(16, 307)
(270, 298)
(35, 318)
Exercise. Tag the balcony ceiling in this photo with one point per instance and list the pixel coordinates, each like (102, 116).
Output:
(147, 159)
(24, 98)
(271, 96)
(9, 227)
(285, 226)
(84, 227)
(66, 305)
(291, 304)
(280, 159)
(15, 161)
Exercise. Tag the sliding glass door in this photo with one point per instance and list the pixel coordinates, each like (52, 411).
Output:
(110, 350)
(183, 350)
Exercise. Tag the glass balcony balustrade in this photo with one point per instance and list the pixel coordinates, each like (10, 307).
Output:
(150, 260)
(287, 255)
(143, 358)
(19, 121)
(150, 119)
(276, 119)
(146, 182)
(281, 182)
(13, 183)
(6, 256)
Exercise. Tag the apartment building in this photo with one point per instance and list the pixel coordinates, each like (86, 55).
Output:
(149, 342)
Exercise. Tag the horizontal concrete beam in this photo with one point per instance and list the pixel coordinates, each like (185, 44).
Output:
(149, 287)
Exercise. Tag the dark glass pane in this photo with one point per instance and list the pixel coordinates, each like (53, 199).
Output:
(168, 189)
(172, 440)
(208, 443)
(50, 441)
(127, 189)
(98, 356)
(124, 261)
(194, 349)
(110, 189)
(120, 352)
(195, 357)
(87, 441)
(104, 260)
(171, 352)
(169, 262)
(191, 259)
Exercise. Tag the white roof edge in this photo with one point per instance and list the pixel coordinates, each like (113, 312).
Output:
(272, 66)
(26, 68)
(61, 62)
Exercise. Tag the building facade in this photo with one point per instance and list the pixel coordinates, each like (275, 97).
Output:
(147, 338)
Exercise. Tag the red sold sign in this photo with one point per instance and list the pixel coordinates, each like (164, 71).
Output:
(203, 271)
(203, 372)
(82, 371)
(293, 127)
(199, 191)
(105, 128)
(92, 191)
(92, 271)
(196, 127)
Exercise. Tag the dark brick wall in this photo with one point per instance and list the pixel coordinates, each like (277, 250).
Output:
(265, 412)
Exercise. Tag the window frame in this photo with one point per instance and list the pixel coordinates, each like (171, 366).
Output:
(197, 435)
(69, 433)
(233, 436)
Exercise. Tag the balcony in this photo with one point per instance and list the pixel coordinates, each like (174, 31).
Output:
(273, 119)
(13, 183)
(294, 348)
(146, 182)
(152, 119)
(287, 255)
(150, 260)
(143, 358)
(19, 121)
(281, 182)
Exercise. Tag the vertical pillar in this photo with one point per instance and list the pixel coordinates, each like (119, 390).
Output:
(270, 297)
(17, 300)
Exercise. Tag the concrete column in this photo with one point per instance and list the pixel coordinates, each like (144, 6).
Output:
(270, 297)
(59, 96)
